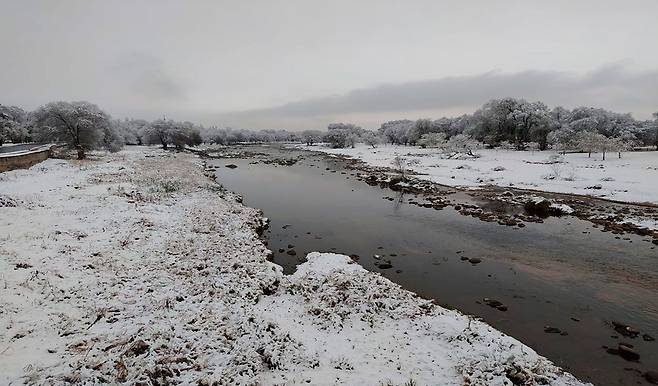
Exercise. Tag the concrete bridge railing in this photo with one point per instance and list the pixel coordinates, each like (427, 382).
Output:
(25, 158)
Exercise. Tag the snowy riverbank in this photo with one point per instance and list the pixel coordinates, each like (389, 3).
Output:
(136, 267)
(633, 178)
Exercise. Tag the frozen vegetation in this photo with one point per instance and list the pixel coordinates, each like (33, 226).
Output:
(631, 178)
(136, 268)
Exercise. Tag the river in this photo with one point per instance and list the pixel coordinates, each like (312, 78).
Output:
(563, 273)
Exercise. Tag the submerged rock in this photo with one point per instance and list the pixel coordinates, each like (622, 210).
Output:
(627, 352)
(651, 377)
(625, 329)
(495, 304)
(385, 265)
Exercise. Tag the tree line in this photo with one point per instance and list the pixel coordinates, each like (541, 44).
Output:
(508, 122)
(519, 124)
(83, 126)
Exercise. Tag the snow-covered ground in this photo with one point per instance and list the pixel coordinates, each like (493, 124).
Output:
(136, 268)
(633, 178)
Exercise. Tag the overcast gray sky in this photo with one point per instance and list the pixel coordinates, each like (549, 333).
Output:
(304, 64)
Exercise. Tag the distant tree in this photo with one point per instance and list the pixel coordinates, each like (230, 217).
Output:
(531, 120)
(340, 135)
(311, 136)
(336, 138)
(450, 126)
(433, 140)
(563, 139)
(420, 128)
(82, 125)
(620, 144)
(160, 132)
(605, 144)
(112, 140)
(185, 134)
(462, 144)
(588, 141)
(397, 132)
(13, 125)
(133, 131)
(178, 134)
(650, 133)
(370, 139)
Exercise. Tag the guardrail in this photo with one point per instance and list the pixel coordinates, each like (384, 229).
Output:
(24, 159)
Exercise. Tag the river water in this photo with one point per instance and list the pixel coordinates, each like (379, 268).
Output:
(563, 273)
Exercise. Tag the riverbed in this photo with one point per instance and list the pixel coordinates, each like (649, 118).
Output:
(563, 275)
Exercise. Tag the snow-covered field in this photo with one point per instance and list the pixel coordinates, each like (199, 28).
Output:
(633, 178)
(135, 268)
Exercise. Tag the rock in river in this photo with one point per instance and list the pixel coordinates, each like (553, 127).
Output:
(625, 329)
(651, 377)
(627, 352)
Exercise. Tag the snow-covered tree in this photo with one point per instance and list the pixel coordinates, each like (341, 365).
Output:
(649, 133)
(370, 139)
(168, 132)
(563, 139)
(132, 130)
(13, 127)
(82, 125)
(420, 128)
(531, 120)
(397, 132)
(311, 136)
(620, 144)
(113, 141)
(159, 132)
(589, 141)
(336, 138)
(433, 140)
(341, 135)
(462, 144)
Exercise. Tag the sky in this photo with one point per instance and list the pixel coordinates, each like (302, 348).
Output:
(304, 64)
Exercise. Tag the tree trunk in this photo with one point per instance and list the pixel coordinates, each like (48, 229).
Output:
(81, 152)
(604, 155)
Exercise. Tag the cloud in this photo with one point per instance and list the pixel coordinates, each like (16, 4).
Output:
(612, 87)
(146, 78)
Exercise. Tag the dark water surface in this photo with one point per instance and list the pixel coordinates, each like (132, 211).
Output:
(545, 274)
